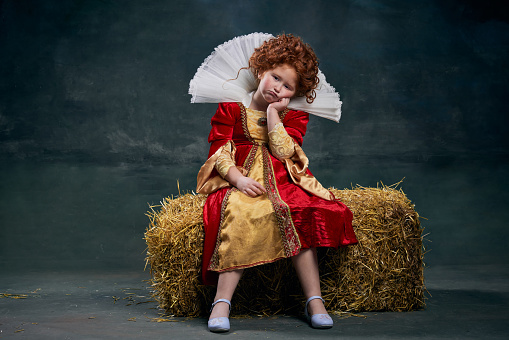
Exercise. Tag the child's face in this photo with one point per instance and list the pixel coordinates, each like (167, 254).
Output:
(280, 82)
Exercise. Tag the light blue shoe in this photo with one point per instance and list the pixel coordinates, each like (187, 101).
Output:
(318, 320)
(221, 324)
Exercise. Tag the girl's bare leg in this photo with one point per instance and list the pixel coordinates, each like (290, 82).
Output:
(306, 266)
(226, 285)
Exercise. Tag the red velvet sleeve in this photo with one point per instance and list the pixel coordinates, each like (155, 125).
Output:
(295, 123)
(222, 123)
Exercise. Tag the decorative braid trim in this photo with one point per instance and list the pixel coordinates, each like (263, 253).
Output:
(283, 113)
(243, 116)
(243, 266)
(214, 260)
(289, 235)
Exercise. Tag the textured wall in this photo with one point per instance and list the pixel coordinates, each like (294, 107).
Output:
(95, 119)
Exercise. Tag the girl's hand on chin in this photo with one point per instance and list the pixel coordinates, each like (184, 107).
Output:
(250, 187)
(280, 105)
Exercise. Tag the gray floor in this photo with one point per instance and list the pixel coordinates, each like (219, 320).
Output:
(463, 303)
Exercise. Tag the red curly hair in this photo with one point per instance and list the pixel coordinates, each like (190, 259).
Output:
(291, 50)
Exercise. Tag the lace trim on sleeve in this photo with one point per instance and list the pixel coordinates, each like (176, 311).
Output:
(281, 144)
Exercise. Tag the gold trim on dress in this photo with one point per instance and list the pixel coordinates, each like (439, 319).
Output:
(214, 260)
(282, 210)
(243, 117)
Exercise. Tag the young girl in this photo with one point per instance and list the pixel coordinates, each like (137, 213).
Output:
(263, 203)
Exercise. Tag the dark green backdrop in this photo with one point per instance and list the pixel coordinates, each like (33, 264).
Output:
(95, 119)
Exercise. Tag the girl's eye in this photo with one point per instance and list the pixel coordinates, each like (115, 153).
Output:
(276, 77)
(287, 87)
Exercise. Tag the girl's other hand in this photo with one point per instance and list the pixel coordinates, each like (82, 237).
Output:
(250, 187)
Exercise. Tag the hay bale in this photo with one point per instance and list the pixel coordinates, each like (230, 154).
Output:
(384, 272)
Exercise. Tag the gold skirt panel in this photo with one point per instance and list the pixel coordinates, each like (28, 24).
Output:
(249, 233)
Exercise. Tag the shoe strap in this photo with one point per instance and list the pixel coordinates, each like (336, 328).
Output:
(221, 300)
(309, 300)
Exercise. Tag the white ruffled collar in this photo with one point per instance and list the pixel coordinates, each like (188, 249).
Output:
(246, 101)
(218, 79)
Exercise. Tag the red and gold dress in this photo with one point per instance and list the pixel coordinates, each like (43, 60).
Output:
(296, 213)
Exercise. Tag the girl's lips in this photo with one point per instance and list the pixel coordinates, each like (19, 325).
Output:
(273, 94)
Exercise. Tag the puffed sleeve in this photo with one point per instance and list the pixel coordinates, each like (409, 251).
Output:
(295, 123)
(222, 123)
(222, 148)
